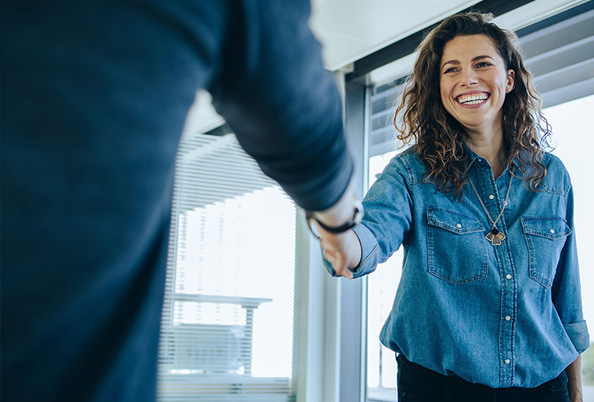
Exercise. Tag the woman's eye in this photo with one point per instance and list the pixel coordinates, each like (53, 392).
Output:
(483, 64)
(450, 70)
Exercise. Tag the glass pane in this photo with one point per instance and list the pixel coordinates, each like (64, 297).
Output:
(227, 332)
(573, 137)
(382, 284)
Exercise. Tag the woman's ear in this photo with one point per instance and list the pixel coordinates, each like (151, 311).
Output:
(511, 79)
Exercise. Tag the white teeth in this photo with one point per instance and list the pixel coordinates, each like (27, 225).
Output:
(473, 99)
(473, 102)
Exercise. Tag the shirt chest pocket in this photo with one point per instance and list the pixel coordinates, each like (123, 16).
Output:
(456, 246)
(545, 238)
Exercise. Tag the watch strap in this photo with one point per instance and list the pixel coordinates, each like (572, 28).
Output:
(356, 218)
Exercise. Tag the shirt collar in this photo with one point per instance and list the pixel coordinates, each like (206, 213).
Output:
(473, 157)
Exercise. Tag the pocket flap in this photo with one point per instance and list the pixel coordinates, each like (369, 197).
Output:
(549, 227)
(453, 221)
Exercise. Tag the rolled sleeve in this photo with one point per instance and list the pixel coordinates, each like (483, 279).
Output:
(579, 335)
(369, 251)
(566, 290)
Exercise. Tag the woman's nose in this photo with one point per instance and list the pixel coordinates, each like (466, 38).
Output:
(468, 77)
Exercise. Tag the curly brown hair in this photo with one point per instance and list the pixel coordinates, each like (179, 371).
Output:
(438, 137)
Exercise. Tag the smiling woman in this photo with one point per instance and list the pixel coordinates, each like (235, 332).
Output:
(489, 304)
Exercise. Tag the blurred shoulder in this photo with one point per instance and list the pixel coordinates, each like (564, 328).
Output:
(409, 162)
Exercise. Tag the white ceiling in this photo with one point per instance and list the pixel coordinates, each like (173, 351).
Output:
(352, 29)
(521, 17)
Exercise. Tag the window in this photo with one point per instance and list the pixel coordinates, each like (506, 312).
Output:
(574, 141)
(227, 326)
(381, 285)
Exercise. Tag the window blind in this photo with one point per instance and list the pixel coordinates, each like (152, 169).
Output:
(560, 56)
(383, 102)
(227, 325)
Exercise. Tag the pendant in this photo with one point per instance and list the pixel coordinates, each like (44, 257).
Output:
(495, 237)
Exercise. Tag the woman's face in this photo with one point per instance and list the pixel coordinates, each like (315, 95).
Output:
(473, 83)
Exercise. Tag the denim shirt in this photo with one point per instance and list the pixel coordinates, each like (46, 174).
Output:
(502, 316)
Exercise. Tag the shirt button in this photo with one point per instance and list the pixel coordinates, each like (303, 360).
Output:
(507, 361)
(491, 196)
(552, 230)
(507, 318)
(458, 225)
(508, 276)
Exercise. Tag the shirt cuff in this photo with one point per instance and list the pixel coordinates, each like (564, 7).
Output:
(369, 248)
(578, 333)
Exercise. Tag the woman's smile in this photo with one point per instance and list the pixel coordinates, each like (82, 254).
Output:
(473, 99)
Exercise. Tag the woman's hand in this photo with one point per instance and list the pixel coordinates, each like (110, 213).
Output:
(574, 383)
(342, 250)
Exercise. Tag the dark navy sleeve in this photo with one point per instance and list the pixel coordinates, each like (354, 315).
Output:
(281, 103)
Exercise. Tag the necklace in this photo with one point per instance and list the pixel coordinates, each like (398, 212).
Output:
(494, 235)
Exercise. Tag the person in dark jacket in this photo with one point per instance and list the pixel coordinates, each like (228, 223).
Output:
(94, 99)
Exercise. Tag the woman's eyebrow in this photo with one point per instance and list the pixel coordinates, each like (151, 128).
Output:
(457, 62)
(482, 57)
